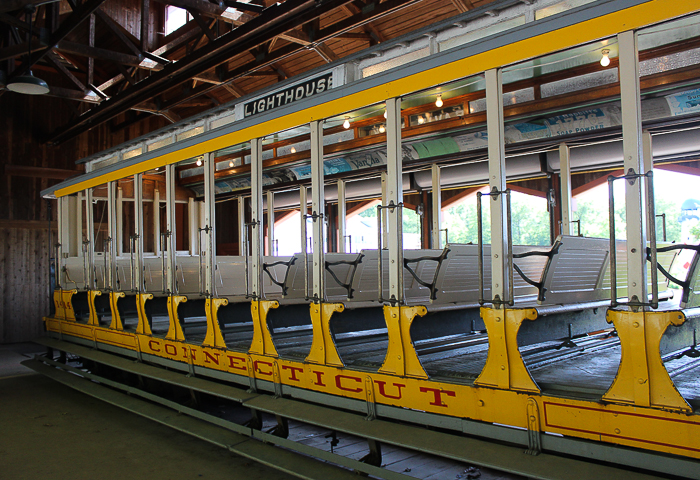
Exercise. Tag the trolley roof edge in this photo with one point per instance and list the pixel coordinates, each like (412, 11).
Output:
(531, 40)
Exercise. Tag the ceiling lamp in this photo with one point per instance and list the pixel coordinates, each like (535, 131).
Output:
(230, 164)
(421, 120)
(382, 129)
(438, 102)
(28, 84)
(199, 162)
(385, 114)
(294, 150)
(346, 123)
(605, 61)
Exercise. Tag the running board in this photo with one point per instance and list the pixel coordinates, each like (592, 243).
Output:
(461, 448)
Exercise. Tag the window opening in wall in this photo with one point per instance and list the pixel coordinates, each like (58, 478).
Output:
(175, 18)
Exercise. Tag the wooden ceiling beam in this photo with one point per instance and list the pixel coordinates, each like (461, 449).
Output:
(202, 24)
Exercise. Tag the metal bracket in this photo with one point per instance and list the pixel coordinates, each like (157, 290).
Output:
(534, 434)
(496, 300)
(323, 350)
(283, 283)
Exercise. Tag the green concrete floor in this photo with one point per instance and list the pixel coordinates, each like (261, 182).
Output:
(49, 431)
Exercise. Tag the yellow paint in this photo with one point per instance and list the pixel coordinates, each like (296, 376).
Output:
(642, 378)
(214, 337)
(401, 357)
(175, 328)
(116, 317)
(93, 319)
(143, 326)
(58, 304)
(262, 343)
(67, 305)
(323, 350)
(652, 429)
(631, 18)
(504, 367)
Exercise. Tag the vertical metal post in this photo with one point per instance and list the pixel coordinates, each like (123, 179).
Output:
(342, 213)
(648, 161)
(437, 208)
(193, 215)
(256, 238)
(383, 222)
(241, 227)
(647, 152)
(112, 226)
(170, 234)
(565, 187)
(120, 222)
(209, 221)
(394, 193)
(497, 183)
(62, 239)
(635, 195)
(303, 211)
(271, 223)
(90, 245)
(318, 208)
(78, 233)
(156, 220)
(138, 231)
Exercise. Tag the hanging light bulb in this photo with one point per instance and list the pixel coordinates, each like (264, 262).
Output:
(605, 61)
(157, 168)
(199, 162)
(438, 102)
(346, 123)
(421, 120)
(294, 150)
(230, 164)
(382, 129)
(385, 114)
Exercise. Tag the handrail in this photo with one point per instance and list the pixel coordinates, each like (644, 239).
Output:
(314, 216)
(353, 263)
(539, 285)
(632, 177)
(509, 247)
(283, 284)
(380, 263)
(163, 270)
(684, 284)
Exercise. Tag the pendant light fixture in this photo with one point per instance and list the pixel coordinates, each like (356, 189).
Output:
(28, 84)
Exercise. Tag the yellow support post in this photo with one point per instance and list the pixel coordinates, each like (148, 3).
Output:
(116, 318)
(214, 337)
(175, 329)
(642, 378)
(504, 367)
(262, 343)
(93, 320)
(143, 327)
(401, 357)
(323, 350)
(67, 305)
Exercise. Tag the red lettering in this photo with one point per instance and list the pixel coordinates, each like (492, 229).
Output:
(255, 367)
(184, 351)
(170, 349)
(209, 358)
(438, 395)
(383, 393)
(340, 377)
(232, 363)
(294, 370)
(318, 381)
(153, 342)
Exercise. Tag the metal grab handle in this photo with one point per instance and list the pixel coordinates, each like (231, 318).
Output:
(247, 262)
(663, 223)
(86, 267)
(349, 237)
(509, 246)
(132, 247)
(107, 243)
(648, 178)
(57, 266)
(447, 235)
(314, 216)
(207, 229)
(163, 270)
(380, 262)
